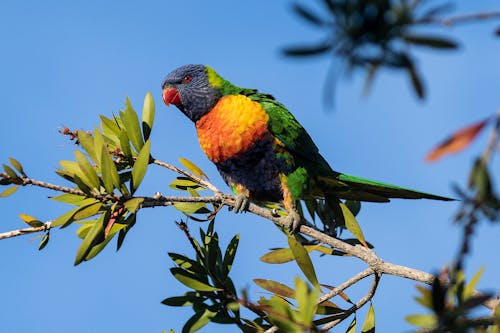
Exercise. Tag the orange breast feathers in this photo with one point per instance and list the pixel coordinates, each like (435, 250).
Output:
(232, 127)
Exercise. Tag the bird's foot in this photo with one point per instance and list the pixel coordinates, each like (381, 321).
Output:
(293, 221)
(241, 203)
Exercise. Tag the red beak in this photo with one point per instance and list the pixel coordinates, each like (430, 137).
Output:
(171, 96)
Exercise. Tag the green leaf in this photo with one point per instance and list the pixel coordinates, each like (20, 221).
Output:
(187, 263)
(148, 115)
(96, 230)
(190, 280)
(69, 198)
(110, 177)
(422, 320)
(471, 286)
(133, 204)
(124, 143)
(9, 191)
(70, 167)
(302, 258)
(44, 241)
(369, 324)
(181, 300)
(140, 166)
(192, 207)
(88, 172)
(16, 165)
(87, 211)
(280, 256)
(198, 320)
(87, 143)
(352, 326)
(31, 221)
(182, 183)
(97, 248)
(9, 171)
(431, 41)
(65, 218)
(227, 263)
(109, 126)
(131, 123)
(352, 225)
(426, 298)
(192, 167)
(275, 287)
(306, 301)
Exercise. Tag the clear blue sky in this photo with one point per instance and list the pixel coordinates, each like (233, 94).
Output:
(64, 63)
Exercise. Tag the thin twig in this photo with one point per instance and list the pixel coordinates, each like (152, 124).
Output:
(25, 231)
(337, 290)
(358, 305)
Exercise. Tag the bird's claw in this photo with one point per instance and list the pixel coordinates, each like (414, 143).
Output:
(241, 203)
(293, 221)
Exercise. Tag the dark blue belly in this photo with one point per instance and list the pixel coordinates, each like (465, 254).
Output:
(257, 170)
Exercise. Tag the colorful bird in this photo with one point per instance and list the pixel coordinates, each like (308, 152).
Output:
(260, 149)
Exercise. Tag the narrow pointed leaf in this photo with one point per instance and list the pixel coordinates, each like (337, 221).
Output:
(198, 321)
(300, 51)
(275, 287)
(87, 143)
(303, 260)
(308, 15)
(471, 286)
(227, 263)
(423, 320)
(9, 191)
(192, 167)
(190, 280)
(99, 145)
(280, 256)
(131, 123)
(148, 115)
(187, 263)
(9, 171)
(431, 41)
(16, 165)
(352, 326)
(369, 324)
(89, 174)
(352, 225)
(109, 173)
(140, 166)
(69, 198)
(88, 211)
(416, 81)
(124, 143)
(109, 126)
(96, 230)
(458, 141)
(133, 204)
(31, 221)
(44, 241)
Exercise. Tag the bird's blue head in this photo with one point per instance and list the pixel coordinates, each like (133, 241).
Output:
(194, 89)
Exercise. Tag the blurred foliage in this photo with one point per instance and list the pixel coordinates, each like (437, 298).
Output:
(454, 305)
(375, 34)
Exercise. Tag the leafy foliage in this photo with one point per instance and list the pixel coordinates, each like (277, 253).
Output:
(453, 304)
(371, 35)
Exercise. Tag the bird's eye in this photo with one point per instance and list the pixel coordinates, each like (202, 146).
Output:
(187, 79)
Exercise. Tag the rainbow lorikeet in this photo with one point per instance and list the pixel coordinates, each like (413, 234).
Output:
(260, 149)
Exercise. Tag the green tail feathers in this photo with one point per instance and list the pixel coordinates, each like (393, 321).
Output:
(361, 189)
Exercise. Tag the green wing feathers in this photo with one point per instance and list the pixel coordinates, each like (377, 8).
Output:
(356, 188)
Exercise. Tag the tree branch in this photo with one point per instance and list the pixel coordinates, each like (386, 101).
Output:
(466, 18)
(358, 305)
(25, 231)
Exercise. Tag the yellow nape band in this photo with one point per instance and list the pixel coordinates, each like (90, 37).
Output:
(213, 78)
